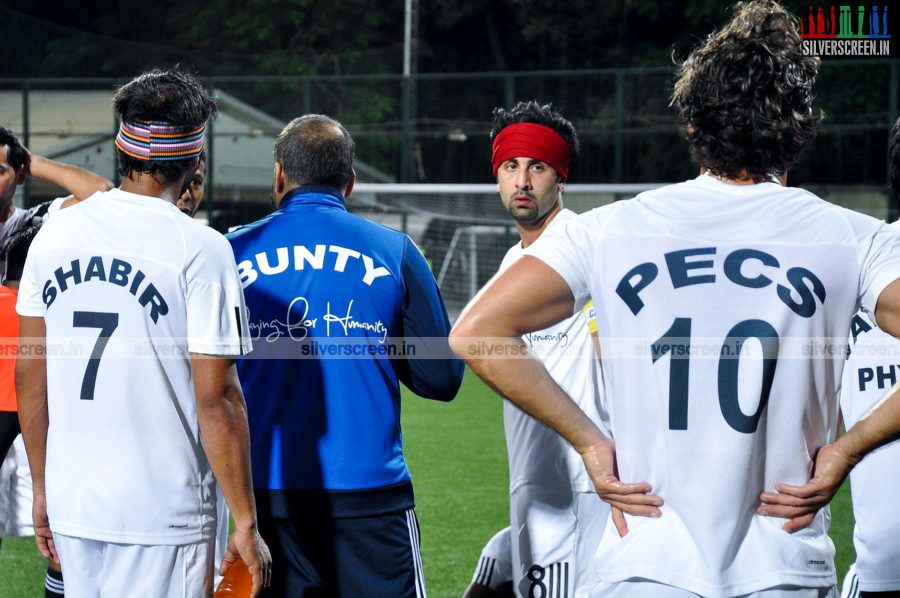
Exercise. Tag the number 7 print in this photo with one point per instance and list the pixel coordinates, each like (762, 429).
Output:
(107, 323)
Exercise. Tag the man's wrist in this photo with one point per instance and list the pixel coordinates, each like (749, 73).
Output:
(245, 524)
(597, 448)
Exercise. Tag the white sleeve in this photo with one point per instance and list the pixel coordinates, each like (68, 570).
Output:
(30, 301)
(880, 265)
(567, 250)
(216, 314)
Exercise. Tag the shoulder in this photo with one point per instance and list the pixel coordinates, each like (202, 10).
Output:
(204, 237)
(13, 223)
(591, 223)
(361, 234)
(376, 229)
(512, 254)
(242, 233)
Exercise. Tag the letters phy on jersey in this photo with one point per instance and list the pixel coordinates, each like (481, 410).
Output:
(685, 269)
(885, 376)
(338, 258)
(119, 272)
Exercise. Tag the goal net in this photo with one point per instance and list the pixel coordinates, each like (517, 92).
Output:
(463, 230)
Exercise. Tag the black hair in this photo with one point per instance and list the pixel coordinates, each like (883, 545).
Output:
(17, 250)
(744, 96)
(316, 150)
(539, 114)
(894, 157)
(172, 96)
(16, 155)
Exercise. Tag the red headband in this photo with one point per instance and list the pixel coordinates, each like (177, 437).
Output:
(529, 140)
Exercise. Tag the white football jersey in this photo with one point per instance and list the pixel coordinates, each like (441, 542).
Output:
(537, 454)
(872, 369)
(128, 287)
(723, 313)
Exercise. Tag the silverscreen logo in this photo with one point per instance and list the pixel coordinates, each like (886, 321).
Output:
(846, 30)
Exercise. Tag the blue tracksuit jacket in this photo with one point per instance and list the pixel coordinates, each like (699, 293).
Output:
(329, 295)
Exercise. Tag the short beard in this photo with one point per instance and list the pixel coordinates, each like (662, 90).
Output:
(528, 217)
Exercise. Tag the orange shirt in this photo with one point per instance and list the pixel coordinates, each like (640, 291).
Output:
(9, 340)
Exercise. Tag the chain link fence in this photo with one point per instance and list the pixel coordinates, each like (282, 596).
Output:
(433, 128)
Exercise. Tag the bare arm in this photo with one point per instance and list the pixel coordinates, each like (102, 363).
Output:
(31, 393)
(531, 296)
(799, 504)
(226, 439)
(76, 180)
(887, 310)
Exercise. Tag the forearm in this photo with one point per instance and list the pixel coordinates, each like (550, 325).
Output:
(76, 180)
(529, 296)
(878, 427)
(31, 394)
(526, 382)
(34, 422)
(226, 439)
(431, 370)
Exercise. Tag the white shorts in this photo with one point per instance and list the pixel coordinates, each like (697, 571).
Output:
(93, 569)
(16, 495)
(554, 537)
(642, 588)
(853, 585)
(494, 568)
(850, 587)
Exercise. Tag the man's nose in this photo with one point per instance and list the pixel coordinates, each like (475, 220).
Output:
(523, 179)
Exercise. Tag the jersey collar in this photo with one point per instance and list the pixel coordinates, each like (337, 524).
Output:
(313, 194)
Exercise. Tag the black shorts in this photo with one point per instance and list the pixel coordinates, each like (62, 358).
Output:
(9, 429)
(351, 557)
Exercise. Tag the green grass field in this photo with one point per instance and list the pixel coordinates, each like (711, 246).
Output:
(457, 456)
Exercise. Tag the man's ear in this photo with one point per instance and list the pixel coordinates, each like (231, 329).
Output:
(280, 182)
(352, 182)
(21, 175)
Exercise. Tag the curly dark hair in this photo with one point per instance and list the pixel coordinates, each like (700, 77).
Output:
(172, 96)
(16, 155)
(540, 114)
(894, 157)
(744, 96)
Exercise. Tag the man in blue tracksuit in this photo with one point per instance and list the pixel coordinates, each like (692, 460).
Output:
(341, 311)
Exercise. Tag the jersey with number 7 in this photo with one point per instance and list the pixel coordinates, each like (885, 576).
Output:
(128, 288)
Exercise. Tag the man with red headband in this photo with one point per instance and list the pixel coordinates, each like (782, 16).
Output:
(723, 307)
(555, 515)
(126, 426)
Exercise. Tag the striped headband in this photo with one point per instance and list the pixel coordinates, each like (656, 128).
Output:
(157, 140)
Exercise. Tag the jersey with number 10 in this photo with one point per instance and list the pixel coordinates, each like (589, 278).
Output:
(128, 287)
(723, 312)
